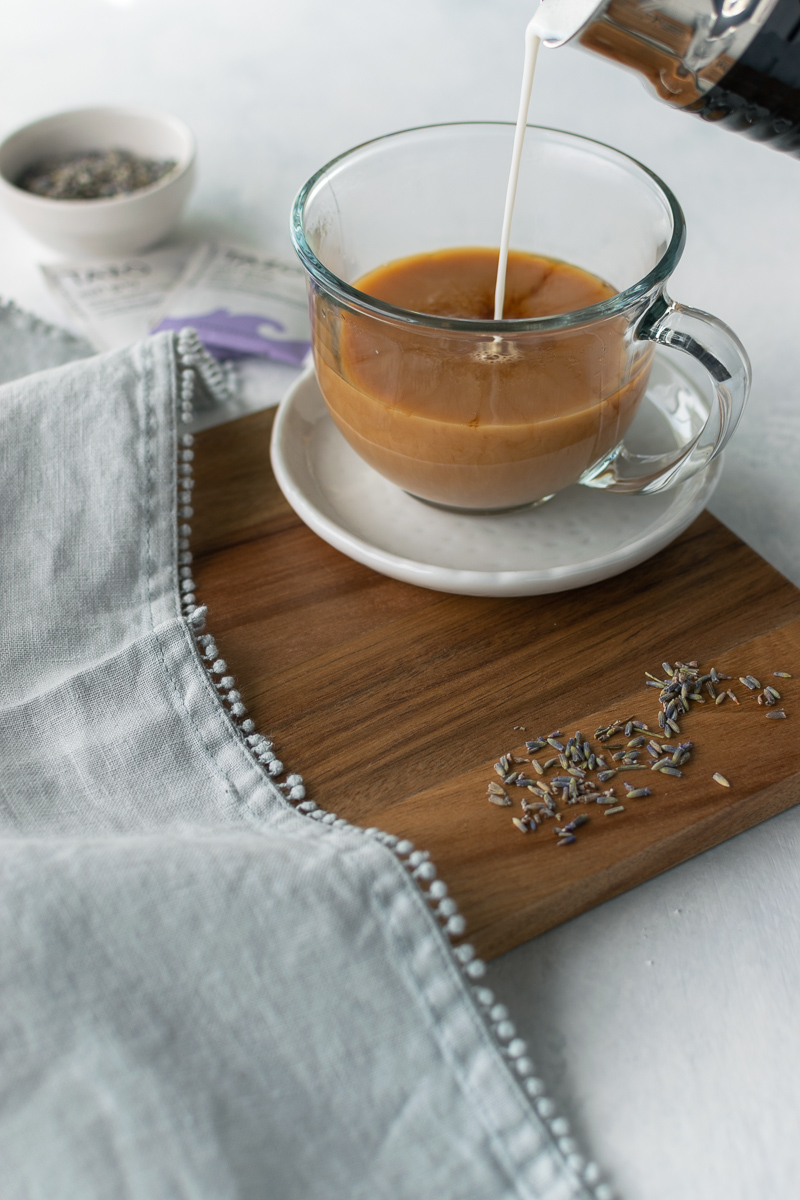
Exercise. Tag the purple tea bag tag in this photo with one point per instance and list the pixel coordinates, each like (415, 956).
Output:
(237, 335)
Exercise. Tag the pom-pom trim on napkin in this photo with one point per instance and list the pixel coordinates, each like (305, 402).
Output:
(195, 366)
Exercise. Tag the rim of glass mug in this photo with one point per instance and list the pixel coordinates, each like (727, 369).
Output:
(616, 304)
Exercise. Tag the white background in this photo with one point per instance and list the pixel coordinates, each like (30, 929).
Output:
(664, 1023)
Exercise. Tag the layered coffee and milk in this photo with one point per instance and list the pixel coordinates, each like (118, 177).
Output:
(480, 423)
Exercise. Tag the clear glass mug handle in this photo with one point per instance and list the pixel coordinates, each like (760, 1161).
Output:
(719, 351)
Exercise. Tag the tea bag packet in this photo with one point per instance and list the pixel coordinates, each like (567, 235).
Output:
(114, 303)
(249, 309)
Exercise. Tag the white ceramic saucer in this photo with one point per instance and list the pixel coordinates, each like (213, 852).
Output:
(581, 536)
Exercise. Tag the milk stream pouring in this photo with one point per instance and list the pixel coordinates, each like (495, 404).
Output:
(532, 43)
(537, 30)
(731, 62)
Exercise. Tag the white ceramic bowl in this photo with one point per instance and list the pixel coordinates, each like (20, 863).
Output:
(103, 227)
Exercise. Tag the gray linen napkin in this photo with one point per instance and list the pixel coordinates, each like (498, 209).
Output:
(208, 987)
(28, 344)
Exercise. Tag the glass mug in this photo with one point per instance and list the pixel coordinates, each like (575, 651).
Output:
(487, 415)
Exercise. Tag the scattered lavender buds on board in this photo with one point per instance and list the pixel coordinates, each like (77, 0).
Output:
(575, 775)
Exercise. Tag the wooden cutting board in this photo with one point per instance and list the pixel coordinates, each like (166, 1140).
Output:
(393, 702)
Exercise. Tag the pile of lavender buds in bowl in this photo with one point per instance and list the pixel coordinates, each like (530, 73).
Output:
(564, 779)
(93, 175)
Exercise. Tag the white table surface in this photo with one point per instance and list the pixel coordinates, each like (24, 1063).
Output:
(664, 1022)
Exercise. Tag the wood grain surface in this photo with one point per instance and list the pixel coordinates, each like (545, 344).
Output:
(393, 701)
